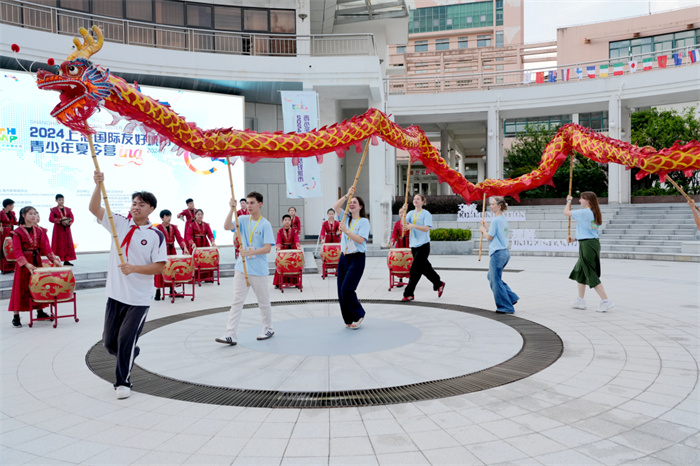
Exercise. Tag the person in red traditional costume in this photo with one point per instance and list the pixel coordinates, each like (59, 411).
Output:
(62, 238)
(287, 238)
(29, 241)
(187, 215)
(329, 229)
(8, 220)
(296, 221)
(399, 236)
(198, 234)
(242, 211)
(172, 235)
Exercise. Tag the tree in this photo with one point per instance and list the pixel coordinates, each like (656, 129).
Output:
(526, 153)
(661, 129)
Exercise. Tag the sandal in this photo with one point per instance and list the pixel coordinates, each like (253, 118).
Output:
(356, 325)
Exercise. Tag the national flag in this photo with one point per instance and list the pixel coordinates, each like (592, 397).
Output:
(633, 66)
(617, 69)
(677, 59)
(539, 77)
(647, 63)
(553, 76)
(565, 75)
(527, 77)
(662, 59)
(604, 71)
(591, 71)
(693, 55)
(579, 73)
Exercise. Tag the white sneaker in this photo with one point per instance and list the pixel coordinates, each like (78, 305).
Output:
(123, 392)
(578, 303)
(267, 333)
(227, 340)
(605, 306)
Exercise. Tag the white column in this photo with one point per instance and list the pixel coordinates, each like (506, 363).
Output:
(619, 181)
(460, 166)
(480, 172)
(303, 24)
(494, 158)
(381, 160)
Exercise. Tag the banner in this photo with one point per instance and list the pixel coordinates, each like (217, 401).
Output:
(300, 113)
(470, 213)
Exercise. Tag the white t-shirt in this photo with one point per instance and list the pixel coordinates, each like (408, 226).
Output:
(147, 246)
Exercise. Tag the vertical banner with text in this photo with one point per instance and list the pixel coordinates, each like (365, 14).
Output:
(300, 113)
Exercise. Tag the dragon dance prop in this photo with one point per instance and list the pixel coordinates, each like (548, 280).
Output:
(86, 87)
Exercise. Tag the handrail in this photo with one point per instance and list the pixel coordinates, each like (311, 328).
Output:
(67, 22)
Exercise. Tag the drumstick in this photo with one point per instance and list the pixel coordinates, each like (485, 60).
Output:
(357, 177)
(104, 195)
(235, 219)
(483, 214)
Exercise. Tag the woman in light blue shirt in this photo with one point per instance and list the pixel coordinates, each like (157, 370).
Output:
(353, 244)
(497, 235)
(419, 222)
(587, 269)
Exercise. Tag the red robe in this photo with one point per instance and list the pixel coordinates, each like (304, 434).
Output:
(399, 238)
(171, 234)
(198, 234)
(28, 247)
(7, 224)
(188, 214)
(236, 243)
(330, 234)
(296, 225)
(286, 239)
(62, 238)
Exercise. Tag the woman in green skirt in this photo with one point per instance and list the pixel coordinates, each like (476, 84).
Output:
(587, 269)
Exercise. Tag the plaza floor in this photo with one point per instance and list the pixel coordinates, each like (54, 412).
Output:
(625, 389)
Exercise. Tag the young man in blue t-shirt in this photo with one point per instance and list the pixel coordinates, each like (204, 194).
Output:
(256, 242)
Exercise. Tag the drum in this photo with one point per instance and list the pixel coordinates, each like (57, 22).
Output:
(289, 261)
(179, 269)
(46, 262)
(399, 260)
(330, 253)
(47, 284)
(8, 249)
(206, 258)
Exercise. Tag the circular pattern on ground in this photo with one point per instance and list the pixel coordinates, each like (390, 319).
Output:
(529, 349)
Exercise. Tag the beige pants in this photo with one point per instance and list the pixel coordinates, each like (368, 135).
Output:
(261, 289)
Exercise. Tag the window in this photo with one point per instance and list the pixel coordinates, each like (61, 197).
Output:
(227, 18)
(442, 44)
(282, 22)
(401, 49)
(449, 17)
(255, 20)
(597, 121)
(139, 10)
(463, 42)
(421, 46)
(515, 126)
(648, 45)
(483, 41)
(170, 12)
(107, 8)
(199, 16)
(499, 38)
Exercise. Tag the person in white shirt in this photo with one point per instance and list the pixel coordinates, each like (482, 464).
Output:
(129, 285)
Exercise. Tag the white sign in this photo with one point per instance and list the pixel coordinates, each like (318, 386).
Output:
(469, 213)
(300, 114)
(526, 240)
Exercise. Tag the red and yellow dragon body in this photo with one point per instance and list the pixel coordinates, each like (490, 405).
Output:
(85, 87)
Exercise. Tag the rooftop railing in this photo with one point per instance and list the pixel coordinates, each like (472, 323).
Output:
(123, 31)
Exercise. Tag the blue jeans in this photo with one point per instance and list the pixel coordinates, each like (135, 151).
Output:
(502, 294)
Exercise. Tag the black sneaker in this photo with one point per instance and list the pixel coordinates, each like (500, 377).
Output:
(157, 298)
(15, 321)
(40, 314)
(68, 263)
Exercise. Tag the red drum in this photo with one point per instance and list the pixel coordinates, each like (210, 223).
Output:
(289, 261)
(179, 269)
(8, 249)
(206, 258)
(330, 253)
(399, 260)
(52, 284)
(46, 262)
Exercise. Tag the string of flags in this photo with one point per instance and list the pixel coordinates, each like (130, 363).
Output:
(603, 71)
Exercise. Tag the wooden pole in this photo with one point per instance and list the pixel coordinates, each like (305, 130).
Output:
(681, 191)
(357, 177)
(235, 219)
(483, 215)
(104, 196)
(571, 181)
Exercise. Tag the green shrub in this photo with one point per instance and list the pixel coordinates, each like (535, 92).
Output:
(450, 234)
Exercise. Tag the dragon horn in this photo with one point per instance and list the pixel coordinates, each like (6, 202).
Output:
(89, 47)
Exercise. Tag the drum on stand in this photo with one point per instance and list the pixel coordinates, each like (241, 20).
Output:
(53, 285)
(330, 255)
(399, 262)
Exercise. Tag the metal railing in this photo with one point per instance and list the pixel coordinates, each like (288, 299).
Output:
(66, 22)
(453, 82)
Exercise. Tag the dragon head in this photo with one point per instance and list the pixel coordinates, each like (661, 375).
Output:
(82, 85)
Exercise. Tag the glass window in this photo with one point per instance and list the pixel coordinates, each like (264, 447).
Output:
(199, 16)
(499, 38)
(108, 8)
(482, 18)
(282, 21)
(401, 49)
(227, 18)
(469, 19)
(483, 41)
(170, 12)
(80, 5)
(442, 44)
(463, 42)
(421, 46)
(139, 10)
(255, 20)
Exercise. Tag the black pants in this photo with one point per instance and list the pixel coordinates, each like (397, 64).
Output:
(350, 269)
(123, 325)
(421, 266)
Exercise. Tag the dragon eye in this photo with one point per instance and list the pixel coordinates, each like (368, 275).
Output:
(73, 70)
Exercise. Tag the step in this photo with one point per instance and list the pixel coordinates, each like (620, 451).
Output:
(631, 236)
